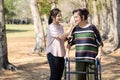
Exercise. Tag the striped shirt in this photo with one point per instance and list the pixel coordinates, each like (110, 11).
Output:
(54, 44)
(86, 40)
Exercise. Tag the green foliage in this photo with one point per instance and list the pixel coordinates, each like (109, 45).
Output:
(99, 6)
(9, 7)
(44, 6)
(90, 6)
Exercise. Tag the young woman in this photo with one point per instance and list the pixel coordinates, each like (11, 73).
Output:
(87, 41)
(55, 44)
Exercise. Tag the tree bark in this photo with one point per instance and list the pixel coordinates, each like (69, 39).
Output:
(40, 36)
(116, 14)
(4, 63)
(103, 22)
(53, 3)
(113, 24)
(95, 13)
(118, 21)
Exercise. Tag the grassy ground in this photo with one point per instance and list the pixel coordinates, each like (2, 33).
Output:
(20, 30)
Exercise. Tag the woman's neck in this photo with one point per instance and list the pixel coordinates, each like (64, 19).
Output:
(83, 24)
(56, 23)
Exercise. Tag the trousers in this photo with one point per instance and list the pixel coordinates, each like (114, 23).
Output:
(56, 66)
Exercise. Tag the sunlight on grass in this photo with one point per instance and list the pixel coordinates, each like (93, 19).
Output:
(20, 30)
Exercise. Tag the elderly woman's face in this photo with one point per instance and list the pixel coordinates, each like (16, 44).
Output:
(77, 17)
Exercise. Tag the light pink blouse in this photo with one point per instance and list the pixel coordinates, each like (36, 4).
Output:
(54, 44)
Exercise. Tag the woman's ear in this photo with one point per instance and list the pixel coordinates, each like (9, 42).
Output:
(83, 17)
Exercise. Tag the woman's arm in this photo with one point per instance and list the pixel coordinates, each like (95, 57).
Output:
(67, 51)
(69, 30)
(99, 52)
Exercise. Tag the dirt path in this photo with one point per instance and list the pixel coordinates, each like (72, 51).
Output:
(35, 67)
(111, 66)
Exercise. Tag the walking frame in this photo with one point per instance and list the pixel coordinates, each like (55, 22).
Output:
(68, 71)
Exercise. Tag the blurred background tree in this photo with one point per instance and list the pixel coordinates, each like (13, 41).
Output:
(17, 12)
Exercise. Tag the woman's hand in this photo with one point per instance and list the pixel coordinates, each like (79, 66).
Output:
(67, 52)
(99, 53)
(98, 56)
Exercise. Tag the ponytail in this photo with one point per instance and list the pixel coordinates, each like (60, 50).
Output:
(53, 13)
(50, 20)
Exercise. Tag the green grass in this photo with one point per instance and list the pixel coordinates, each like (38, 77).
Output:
(20, 30)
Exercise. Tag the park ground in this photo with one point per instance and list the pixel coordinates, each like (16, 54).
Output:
(35, 67)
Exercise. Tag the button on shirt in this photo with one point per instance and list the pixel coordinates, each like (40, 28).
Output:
(54, 44)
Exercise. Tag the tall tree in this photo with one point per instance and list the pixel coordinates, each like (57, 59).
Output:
(4, 63)
(116, 12)
(111, 23)
(40, 36)
(95, 13)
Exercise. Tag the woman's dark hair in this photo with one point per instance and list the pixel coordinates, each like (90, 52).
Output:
(53, 13)
(82, 12)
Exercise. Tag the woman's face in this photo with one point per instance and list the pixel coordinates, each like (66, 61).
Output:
(58, 18)
(77, 17)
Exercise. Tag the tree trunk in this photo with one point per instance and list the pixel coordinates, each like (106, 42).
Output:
(110, 21)
(114, 26)
(40, 36)
(118, 21)
(95, 13)
(53, 5)
(103, 21)
(116, 16)
(4, 63)
(45, 22)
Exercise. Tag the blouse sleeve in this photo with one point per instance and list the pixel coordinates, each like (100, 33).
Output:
(71, 38)
(98, 36)
(53, 32)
